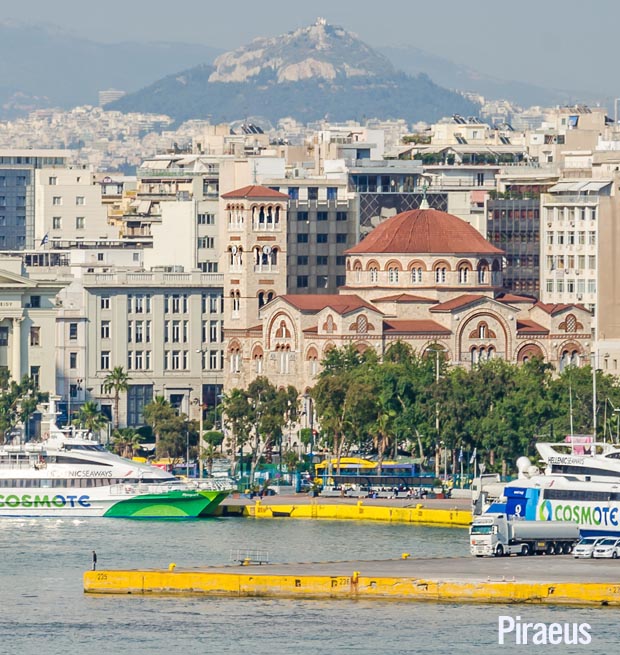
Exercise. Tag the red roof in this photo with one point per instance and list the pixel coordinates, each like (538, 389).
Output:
(425, 231)
(553, 309)
(423, 326)
(457, 303)
(255, 191)
(314, 303)
(525, 326)
(404, 298)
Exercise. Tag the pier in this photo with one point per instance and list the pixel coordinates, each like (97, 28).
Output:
(549, 580)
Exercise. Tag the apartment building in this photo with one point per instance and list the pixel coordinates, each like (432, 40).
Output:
(18, 194)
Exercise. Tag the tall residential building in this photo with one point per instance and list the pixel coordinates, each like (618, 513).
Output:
(17, 193)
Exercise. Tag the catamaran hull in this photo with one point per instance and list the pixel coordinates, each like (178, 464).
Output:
(67, 503)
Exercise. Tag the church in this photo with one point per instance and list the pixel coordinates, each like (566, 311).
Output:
(424, 277)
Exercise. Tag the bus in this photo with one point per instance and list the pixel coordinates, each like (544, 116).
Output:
(365, 473)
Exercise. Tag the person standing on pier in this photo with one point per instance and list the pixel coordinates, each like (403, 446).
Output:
(94, 561)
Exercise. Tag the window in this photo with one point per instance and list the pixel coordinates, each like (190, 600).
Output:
(105, 329)
(56, 223)
(302, 260)
(73, 331)
(321, 260)
(549, 286)
(302, 238)
(206, 242)
(592, 262)
(591, 238)
(4, 336)
(105, 360)
(105, 302)
(440, 274)
(35, 374)
(313, 193)
(293, 192)
(591, 286)
(206, 219)
(393, 275)
(80, 201)
(213, 331)
(416, 274)
(340, 260)
(341, 216)
(374, 274)
(341, 238)
(332, 193)
(79, 222)
(321, 237)
(302, 216)
(341, 280)
(321, 216)
(322, 281)
(302, 281)
(57, 200)
(72, 360)
(35, 301)
(35, 336)
(52, 181)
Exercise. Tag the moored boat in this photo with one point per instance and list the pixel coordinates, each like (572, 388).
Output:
(68, 473)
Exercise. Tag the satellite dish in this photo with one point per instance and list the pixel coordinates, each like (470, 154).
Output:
(234, 250)
(266, 250)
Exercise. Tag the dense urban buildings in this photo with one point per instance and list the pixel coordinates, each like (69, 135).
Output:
(235, 251)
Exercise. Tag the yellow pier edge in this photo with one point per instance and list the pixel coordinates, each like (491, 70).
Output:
(357, 585)
(359, 512)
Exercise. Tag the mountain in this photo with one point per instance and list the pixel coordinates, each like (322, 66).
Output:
(457, 76)
(45, 66)
(310, 73)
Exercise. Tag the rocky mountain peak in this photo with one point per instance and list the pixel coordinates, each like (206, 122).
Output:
(319, 51)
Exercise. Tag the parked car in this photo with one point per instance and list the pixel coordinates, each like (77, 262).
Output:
(608, 547)
(584, 548)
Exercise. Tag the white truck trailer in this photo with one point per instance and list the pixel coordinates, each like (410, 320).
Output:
(497, 535)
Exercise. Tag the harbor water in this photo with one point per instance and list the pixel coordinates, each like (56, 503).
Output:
(45, 612)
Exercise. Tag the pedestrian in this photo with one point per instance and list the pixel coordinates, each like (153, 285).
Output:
(94, 561)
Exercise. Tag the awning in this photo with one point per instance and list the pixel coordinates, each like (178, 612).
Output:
(144, 206)
(596, 186)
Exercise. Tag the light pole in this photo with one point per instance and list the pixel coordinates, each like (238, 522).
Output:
(437, 440)
(201, 417)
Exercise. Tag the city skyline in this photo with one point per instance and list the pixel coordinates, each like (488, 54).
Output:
(550, 43)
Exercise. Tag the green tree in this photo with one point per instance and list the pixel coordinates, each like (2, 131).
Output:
(18, 401)
(116, 382)
(125, 442)
(90, 417)
(171, 429)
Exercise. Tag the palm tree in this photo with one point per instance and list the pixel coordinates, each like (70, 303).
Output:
(90, 417)
(126, 442)
(117, 381)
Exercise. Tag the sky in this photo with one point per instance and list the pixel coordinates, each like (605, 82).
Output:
(561, 43)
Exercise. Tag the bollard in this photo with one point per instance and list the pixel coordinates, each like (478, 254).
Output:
(171, 567)
(405, 556)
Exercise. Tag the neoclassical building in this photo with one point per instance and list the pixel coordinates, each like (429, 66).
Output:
(424, 277)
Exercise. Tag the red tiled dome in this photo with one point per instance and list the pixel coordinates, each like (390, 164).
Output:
(425, 231)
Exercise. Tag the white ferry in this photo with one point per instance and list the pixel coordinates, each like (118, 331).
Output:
(580, 456)
(593, 504)
(70, 474)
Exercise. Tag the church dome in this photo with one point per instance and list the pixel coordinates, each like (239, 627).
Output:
(425, 231)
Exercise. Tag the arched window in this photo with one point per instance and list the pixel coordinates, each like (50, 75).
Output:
(483, 273)
(258, 361)
(235, 297)
(313, 361)
(358, 272)
(440, 275)
(362, 324)
(416, 275)
(393, 275)
(463, 274)
(374, 274)
(474, 356)
(235, 359)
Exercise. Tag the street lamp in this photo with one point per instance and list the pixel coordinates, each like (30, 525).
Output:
(437, 441)
(201, 417)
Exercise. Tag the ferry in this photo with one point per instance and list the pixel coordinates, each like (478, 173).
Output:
(70, 474)
(581, 456)
(593, 504)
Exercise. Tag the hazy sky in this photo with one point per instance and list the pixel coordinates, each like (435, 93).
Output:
(538, 41)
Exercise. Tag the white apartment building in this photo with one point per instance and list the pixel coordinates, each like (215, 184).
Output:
(69, 207)
(571, 213)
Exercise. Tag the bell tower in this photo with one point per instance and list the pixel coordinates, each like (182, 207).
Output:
(254, 266)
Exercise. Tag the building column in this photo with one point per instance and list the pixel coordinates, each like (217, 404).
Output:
(16, 346)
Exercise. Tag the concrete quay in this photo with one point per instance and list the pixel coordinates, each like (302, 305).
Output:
(550, 580)
(450, 513)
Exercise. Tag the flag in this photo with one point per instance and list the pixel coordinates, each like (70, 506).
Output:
(461, 455)
(44, 240)
(472, 459)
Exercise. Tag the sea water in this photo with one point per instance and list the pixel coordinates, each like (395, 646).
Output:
(43, 610)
